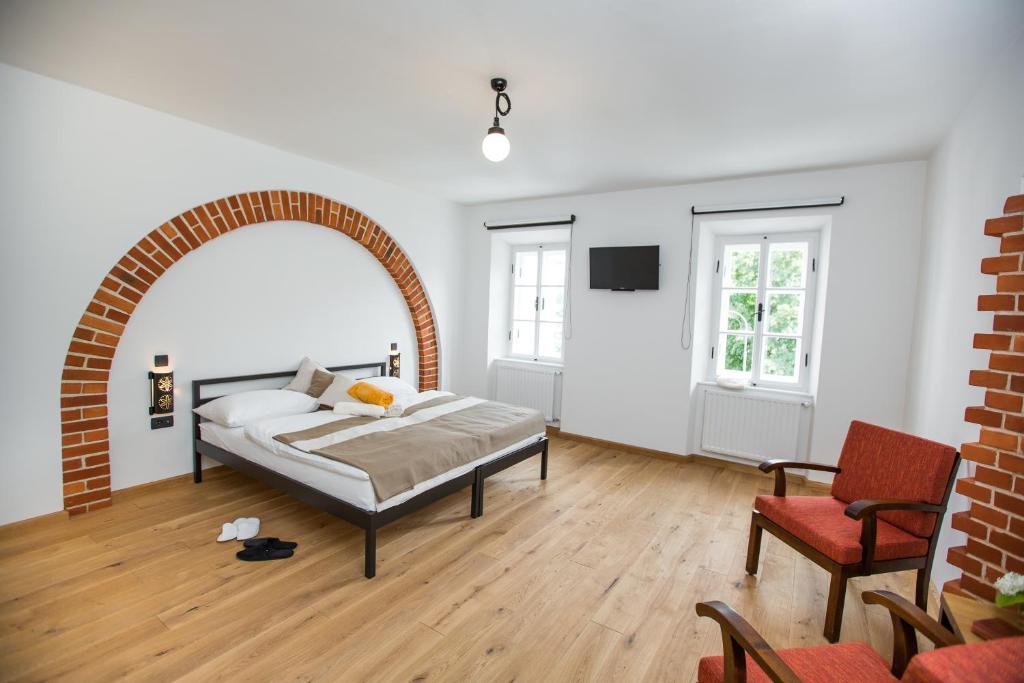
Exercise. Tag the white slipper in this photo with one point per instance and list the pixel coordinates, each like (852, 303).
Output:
(228, 532)
(248, 527)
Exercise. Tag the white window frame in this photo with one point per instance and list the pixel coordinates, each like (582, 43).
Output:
(539, 248)
(803, 360)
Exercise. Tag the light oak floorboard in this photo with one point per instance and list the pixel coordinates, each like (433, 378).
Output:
(589, 576)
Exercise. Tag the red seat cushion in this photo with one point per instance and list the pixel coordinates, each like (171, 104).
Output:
(881, 463)
(819, 521)
(994, 661)
(847, 662)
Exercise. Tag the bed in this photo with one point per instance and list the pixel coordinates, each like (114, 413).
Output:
(260, 451)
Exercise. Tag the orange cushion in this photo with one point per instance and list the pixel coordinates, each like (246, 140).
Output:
(819, 521)
(368, 393)
(846, 662)
(881, 463)
(994, 661)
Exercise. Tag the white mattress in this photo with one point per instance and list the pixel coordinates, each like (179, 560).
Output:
(336, 479)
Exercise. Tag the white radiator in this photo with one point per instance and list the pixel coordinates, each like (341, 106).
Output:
(757, 427)
(530, 386)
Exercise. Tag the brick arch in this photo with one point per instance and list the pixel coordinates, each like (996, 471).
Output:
(83, 391)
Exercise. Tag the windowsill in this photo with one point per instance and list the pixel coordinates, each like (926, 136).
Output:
(505, 360)
(795, 393)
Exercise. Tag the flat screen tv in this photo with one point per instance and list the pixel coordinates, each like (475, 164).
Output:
(624, 269)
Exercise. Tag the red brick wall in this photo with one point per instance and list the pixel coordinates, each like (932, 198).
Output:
(994, 524)
(83, 392)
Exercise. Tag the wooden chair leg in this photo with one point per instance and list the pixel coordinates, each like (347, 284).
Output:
(924, 575)
(754, 545)
(834, 609)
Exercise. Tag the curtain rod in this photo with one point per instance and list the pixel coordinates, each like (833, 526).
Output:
(740, 208)
(531, 224)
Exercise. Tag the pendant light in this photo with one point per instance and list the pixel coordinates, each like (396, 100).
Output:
(495, 145)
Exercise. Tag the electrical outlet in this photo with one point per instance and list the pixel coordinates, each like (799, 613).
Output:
(161, 422)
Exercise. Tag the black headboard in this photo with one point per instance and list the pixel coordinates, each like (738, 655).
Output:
(198, 384)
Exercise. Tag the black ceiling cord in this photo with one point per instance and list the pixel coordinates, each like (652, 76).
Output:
(498, 85)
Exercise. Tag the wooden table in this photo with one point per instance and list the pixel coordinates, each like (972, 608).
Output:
(961, 612)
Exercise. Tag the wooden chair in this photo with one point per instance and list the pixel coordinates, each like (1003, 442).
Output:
(888, 498)
(748, 657)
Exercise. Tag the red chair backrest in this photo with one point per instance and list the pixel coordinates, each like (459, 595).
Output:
(882, 463)
(993, 661)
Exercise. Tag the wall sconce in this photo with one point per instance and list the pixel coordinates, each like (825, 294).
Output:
(394, 361)
(161, 394)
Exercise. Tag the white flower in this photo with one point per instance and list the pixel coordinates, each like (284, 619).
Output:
(1010, 583)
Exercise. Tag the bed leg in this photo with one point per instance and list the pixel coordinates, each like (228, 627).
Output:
(370, 553)
(544, 461)
(476, 507)
(197, 468)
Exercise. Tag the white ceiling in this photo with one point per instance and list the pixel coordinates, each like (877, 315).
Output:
(606, 94)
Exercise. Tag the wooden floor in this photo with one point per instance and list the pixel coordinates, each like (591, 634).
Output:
(591, 575)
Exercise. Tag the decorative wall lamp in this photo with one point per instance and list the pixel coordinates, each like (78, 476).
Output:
(161, 394)
(394, 361)
(495, 145)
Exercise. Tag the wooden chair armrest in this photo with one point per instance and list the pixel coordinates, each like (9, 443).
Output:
(772, 465)
(861, 508)
(867, 510)
(779, 467)
(740, 638)
(907, 619)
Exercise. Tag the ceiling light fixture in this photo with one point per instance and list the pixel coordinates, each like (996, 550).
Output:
(495, 145)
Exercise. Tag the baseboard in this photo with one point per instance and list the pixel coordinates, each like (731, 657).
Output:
(615, 445)
(797, 479)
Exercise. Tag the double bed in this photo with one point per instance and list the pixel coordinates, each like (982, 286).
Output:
(280, 452)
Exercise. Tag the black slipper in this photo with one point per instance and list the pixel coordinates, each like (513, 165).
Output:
(263, 553)
(275, 543)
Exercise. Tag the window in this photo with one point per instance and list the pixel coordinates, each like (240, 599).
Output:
(764, 300)
(538, 301)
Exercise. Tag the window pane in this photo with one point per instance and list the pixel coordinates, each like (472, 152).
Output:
(550, 340)
(779, 360)
(522, 337)
(552, 303)
(735, 354)
(525, 268)
(742, 265)
(523, 303)
(787, 265)
(739, 311)
(553, 272)
(786, 313)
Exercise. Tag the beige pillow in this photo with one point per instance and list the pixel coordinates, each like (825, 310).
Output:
(318, 385)
(337, 392)
(304, 376)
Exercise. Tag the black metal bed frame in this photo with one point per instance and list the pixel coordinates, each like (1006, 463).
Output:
(370, 521)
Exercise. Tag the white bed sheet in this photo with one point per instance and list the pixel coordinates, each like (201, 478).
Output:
(336, 479)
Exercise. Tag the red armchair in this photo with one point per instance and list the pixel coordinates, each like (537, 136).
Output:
(888, 497)
(748, 657)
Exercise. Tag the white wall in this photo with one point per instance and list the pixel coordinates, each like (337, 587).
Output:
(627, 378)
(979, 163)
(84, 176)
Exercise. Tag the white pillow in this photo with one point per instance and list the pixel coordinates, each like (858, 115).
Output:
(397, 386)
(237, 410)
(337, 392)
(304, 375)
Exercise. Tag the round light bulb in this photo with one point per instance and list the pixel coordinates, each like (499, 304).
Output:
(495, 145)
